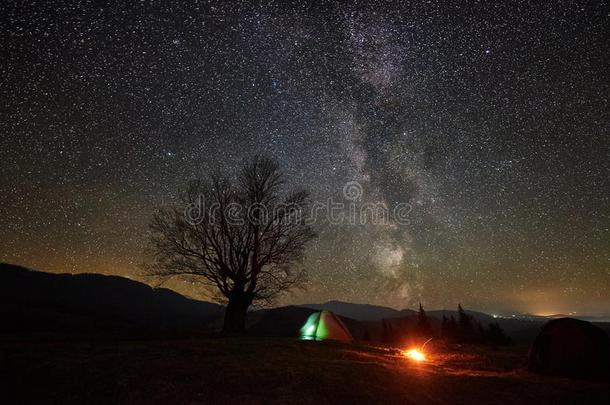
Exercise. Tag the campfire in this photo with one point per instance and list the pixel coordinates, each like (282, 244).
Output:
(414, 354)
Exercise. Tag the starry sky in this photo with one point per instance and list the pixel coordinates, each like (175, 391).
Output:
(490, 118)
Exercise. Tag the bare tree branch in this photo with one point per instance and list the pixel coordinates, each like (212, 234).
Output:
(247, 236)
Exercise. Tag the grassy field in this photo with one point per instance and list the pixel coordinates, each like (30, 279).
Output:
(269, 370)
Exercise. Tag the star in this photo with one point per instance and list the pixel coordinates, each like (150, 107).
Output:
(490, 126)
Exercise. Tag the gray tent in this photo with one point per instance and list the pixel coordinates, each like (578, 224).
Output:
(573, 348)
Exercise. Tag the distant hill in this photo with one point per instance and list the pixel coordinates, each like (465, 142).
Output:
(38, 302)
(365, 321)
(369, 317)
(282, 321)
(33, 301)
(479, 316)
(366, 312)
(360, 312)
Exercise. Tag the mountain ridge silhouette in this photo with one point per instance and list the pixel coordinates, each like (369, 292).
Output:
(35, 301)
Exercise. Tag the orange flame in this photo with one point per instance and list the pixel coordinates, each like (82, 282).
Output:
(414, 354)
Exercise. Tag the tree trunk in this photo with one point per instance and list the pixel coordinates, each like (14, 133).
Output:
(235, 314)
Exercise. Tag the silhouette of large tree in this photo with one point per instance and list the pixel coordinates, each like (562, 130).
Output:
(242, 236)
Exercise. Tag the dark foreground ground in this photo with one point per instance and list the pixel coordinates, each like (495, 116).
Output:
(261, 370)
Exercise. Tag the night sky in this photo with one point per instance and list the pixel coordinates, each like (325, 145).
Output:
(490, 118)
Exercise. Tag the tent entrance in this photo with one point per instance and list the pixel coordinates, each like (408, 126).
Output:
(324, 325)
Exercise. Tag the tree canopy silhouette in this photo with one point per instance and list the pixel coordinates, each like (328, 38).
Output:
(242, 236)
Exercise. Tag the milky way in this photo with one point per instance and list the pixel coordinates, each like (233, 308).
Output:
(490, 119)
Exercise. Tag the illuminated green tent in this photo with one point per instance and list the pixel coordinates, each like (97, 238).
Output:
(325, 325)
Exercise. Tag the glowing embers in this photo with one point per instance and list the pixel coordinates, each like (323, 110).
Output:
(414, 354)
